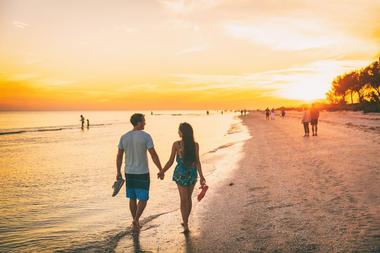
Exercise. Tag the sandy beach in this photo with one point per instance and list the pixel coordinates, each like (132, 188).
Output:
(295, 194)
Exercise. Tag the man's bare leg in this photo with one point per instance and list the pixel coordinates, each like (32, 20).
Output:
(140, 209)
(133, 209)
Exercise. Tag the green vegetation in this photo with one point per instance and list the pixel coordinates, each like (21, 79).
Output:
(357, 90)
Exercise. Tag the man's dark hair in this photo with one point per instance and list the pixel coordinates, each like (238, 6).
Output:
(136, 118)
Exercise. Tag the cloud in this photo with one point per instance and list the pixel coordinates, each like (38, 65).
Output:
(193, 49)
(181, 24)
(24, 77)
(187, 6)
(55, 82)
(137, 87)
(20, 25)
(296, 33)
(36, 80)
(198, 82)
(123, 28)
(306, 82)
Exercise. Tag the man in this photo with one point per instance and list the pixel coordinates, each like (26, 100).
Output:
(267, 113)
(135, 144)
(314, 115)
(283, 113)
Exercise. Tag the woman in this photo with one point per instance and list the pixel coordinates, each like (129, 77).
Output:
(305, 121)
(272, 114)
(186, 152)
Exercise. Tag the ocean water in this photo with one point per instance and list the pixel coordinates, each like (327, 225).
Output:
(56, 178)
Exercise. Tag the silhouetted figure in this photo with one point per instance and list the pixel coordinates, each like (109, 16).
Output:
(272, 114)
(283, 113)
(151, 113)
(82, 121)
(207, 112)
(314, 116)
(305, 121)
(88, 123)
(267, 113)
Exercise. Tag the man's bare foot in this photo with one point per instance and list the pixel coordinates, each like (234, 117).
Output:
(185, 228)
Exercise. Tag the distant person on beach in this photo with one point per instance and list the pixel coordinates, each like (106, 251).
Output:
(283, 113)
(186, 153)
(207, 112)
(305, 121)
(82, 121)
(314, 115)
(267, 113)
(272, 114)
(135, 144)
(88, 123)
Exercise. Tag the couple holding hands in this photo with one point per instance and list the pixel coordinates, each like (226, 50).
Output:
(135, 145)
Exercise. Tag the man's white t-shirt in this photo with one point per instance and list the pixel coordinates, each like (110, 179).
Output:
(135, 144)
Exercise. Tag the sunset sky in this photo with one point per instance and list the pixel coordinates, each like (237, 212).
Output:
(163, 54)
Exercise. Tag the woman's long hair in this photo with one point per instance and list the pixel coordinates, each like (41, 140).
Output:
(188, 144)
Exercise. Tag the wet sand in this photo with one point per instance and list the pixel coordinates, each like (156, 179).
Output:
(295, 194)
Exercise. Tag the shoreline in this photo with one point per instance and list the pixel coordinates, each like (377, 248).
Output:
(79, 212)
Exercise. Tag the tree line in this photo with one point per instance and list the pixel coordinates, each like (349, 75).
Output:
(358, 88)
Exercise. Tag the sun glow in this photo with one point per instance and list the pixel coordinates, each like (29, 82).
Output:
(306, 90)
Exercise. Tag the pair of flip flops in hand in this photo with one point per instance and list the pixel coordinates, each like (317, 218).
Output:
(202, 193)
(117, 186)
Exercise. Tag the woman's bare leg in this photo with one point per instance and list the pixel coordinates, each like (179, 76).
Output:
(183, 194)
(190, 190)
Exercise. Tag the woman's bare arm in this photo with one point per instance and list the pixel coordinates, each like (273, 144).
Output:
(171, 159)
(198, 164)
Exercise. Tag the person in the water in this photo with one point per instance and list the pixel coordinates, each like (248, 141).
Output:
(82, 121)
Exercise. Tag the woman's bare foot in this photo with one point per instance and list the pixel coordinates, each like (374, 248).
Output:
(136, 225)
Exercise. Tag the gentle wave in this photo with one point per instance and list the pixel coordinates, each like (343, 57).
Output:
(47, 129)
(12, 132)
(221, 147)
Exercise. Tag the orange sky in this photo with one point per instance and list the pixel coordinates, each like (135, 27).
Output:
(179, 54)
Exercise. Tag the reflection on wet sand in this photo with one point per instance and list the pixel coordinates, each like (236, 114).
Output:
(188, 243)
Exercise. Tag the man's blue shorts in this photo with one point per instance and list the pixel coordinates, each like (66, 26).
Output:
(137, 186)
(135, 193)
